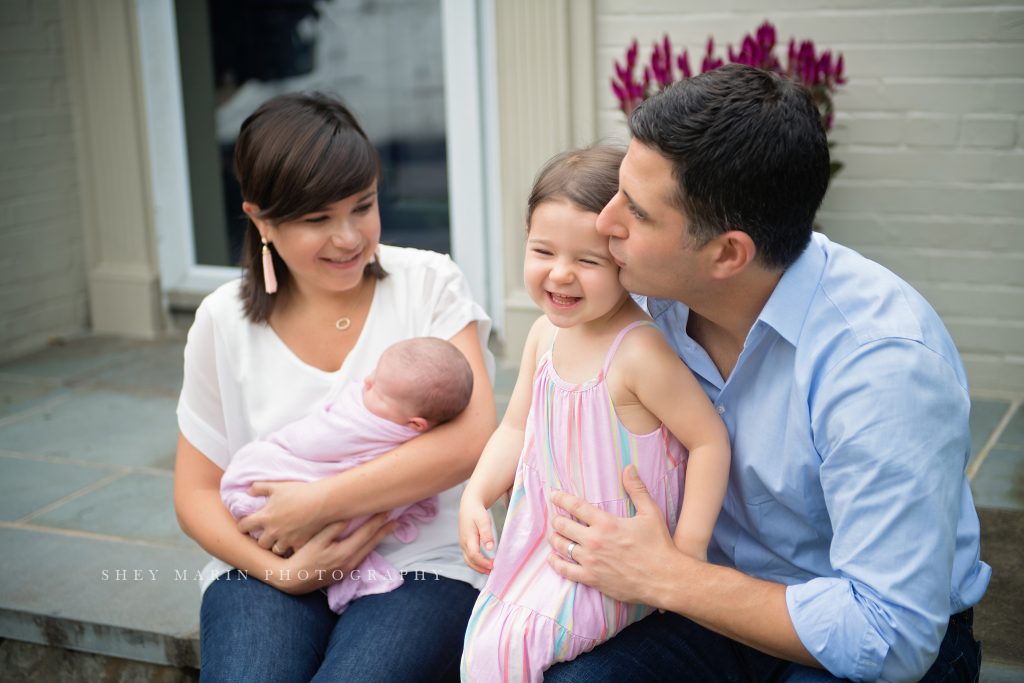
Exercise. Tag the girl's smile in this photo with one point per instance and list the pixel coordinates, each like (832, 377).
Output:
(568, 271)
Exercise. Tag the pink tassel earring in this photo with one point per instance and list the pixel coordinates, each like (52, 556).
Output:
(269, 277)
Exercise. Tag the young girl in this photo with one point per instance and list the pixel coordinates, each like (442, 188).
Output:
(599, 389)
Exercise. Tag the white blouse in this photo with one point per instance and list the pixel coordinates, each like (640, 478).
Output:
(242, 382)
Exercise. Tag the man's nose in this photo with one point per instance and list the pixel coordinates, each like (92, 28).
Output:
(608, 223)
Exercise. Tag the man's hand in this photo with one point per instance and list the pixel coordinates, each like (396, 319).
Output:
(627, 559)
(291, 516)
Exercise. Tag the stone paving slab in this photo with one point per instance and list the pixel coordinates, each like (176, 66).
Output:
(97, 426)
(136, 506)
(998, 617)
(128, 600)
(73, 360)
(1013, 435)
(985, 417)
(29, 485)
(1000, 481)
(18, 393)
(23, 662)
(155, 369)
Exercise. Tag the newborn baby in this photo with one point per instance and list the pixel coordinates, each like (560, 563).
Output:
(418, 384)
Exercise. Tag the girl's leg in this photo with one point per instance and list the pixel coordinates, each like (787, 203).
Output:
(413, 633)
(250, 631)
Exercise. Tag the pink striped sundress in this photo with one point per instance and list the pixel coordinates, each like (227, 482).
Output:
(527, 616)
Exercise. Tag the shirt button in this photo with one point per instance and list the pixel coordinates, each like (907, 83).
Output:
(721, 410)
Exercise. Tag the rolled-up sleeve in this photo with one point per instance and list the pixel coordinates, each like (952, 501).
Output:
(200, 409)
(890, 422)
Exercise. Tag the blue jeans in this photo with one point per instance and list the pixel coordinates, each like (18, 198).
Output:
(250, 631)
(668, 647)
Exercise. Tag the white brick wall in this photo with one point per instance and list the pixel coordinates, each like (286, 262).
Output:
(930, 127)
(42, 264)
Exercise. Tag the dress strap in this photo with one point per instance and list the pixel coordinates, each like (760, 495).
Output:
(618, 340)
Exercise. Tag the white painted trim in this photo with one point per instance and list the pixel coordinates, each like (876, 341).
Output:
(165, 130)
(472, 149)
(466, 112)
(488, 53)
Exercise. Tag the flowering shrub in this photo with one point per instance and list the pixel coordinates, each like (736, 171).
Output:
(821, 74)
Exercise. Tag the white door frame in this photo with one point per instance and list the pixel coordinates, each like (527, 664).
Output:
(472, 150)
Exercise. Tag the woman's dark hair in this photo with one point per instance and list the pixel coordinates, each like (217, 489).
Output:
(297, 154)
(587, 178)
(749, 153)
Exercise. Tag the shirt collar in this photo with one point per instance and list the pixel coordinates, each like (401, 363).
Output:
(787, 307)
(788, 304)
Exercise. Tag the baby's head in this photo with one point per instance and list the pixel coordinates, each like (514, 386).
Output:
(419, 383)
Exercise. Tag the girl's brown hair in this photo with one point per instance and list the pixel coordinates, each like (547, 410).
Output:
(587, 178)
(295, 155)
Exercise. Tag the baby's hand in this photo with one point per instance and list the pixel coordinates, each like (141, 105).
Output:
(475, 535)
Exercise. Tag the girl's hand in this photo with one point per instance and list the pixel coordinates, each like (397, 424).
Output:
(291, 517)
(325, 560)
(475, 535)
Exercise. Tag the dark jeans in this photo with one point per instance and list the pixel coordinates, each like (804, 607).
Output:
(668, 647)
(250, 632)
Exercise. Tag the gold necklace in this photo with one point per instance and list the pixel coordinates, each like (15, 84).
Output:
(345, 322)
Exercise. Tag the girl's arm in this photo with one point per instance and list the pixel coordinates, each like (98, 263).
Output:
(418, 469)
(203, 516)
(496, 470)
(666, 387)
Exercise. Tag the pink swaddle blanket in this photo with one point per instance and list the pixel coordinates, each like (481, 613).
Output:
(336, 437)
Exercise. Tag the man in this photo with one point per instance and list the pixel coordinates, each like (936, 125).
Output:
(848, 545)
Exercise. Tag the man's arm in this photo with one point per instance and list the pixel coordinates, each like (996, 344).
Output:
(634, 560)
(890, 424)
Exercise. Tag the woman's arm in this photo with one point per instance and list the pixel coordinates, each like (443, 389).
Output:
(203, 516)
(418, 469)
(496, 470)
(666, 387)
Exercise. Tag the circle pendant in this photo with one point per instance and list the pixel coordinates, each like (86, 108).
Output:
(343, 324)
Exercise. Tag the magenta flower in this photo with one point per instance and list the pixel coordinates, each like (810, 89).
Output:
(822, 74)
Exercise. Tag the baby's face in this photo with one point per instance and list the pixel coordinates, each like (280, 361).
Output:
(385, 394)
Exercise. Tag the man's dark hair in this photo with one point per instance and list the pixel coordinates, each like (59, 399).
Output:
(749, 153)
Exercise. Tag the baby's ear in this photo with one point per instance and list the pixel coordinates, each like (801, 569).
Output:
(420, 424)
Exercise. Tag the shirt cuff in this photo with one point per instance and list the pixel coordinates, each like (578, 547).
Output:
(205, 439)
(831, 624)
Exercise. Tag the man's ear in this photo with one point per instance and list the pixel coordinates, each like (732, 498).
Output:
(733, 252)
(418, 423)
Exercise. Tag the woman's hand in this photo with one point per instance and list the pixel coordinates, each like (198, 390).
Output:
(291, 517)
(630, 559)
(475, 534)
(325, 560)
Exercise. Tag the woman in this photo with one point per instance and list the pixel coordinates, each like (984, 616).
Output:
(318, 302)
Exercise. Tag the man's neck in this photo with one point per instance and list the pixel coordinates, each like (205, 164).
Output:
(721, 321)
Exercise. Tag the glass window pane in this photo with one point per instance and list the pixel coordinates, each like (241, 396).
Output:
(383, 58)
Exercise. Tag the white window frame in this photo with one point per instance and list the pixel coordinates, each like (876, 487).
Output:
(472, 149)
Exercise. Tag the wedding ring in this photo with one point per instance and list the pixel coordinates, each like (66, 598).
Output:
(572, 546)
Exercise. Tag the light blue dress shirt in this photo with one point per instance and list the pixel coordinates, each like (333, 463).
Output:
(848, 414)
